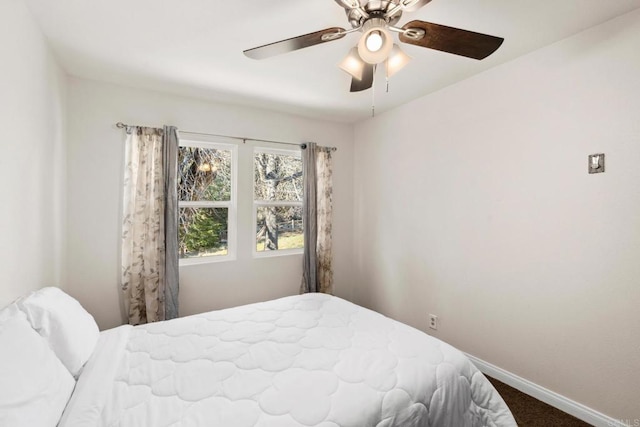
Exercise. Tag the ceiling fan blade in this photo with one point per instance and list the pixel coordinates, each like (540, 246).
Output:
(413, 5)
(295, 43)
(349, 4)
(365, 82)
(452, 40)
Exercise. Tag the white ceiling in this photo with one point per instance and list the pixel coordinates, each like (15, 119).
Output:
(194, 47)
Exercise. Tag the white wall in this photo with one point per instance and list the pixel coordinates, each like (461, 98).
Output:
(95, 158)
(32, 119)
(475, 204)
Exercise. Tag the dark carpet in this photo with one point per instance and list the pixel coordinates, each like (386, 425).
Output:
(530, 412)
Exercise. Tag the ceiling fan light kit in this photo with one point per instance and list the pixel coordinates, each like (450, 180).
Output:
(352, 64)
(396, 61)
(373, 30)
(376, 20)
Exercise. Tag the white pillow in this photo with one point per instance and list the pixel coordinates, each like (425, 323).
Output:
(71, 332)
(34, 385)
(9, 312)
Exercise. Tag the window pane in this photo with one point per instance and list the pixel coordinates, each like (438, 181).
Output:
(277, 177)
(204, 174)
(203, 232)
(279, 228)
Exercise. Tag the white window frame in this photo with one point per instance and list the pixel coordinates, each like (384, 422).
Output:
(258, 204)
(231, 205)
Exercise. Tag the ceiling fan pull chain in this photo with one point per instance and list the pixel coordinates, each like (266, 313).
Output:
(373, 92)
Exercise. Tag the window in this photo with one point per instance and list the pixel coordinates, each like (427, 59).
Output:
(277, 188)
(206, 201)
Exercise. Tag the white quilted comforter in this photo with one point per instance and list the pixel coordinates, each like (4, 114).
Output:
(309, 360)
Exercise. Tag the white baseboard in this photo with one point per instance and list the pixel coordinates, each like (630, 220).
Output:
(549, 397)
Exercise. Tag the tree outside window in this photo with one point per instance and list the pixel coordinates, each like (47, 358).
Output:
(278, 194)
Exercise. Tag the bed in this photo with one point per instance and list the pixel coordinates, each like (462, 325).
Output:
(307, 360)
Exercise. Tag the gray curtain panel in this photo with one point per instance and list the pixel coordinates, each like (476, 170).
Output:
(317, 274)
(170, 144)
(309, 218)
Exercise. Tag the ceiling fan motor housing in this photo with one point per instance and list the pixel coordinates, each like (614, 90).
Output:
(372, 9)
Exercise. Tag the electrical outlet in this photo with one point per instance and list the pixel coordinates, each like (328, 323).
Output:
(596, 163)
(433, 321)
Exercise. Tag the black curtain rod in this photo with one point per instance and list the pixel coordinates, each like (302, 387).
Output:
(121, 125)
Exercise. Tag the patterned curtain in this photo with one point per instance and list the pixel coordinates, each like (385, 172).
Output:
(317, 271)
(144, 251)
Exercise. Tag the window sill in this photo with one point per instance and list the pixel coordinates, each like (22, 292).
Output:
(205, 260)
(279, 253)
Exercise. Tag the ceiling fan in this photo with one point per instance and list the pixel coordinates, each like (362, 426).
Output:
(376, 20)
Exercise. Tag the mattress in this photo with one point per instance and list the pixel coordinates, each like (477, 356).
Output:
(308, 360)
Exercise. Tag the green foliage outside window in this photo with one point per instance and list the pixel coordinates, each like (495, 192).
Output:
(205, 233)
